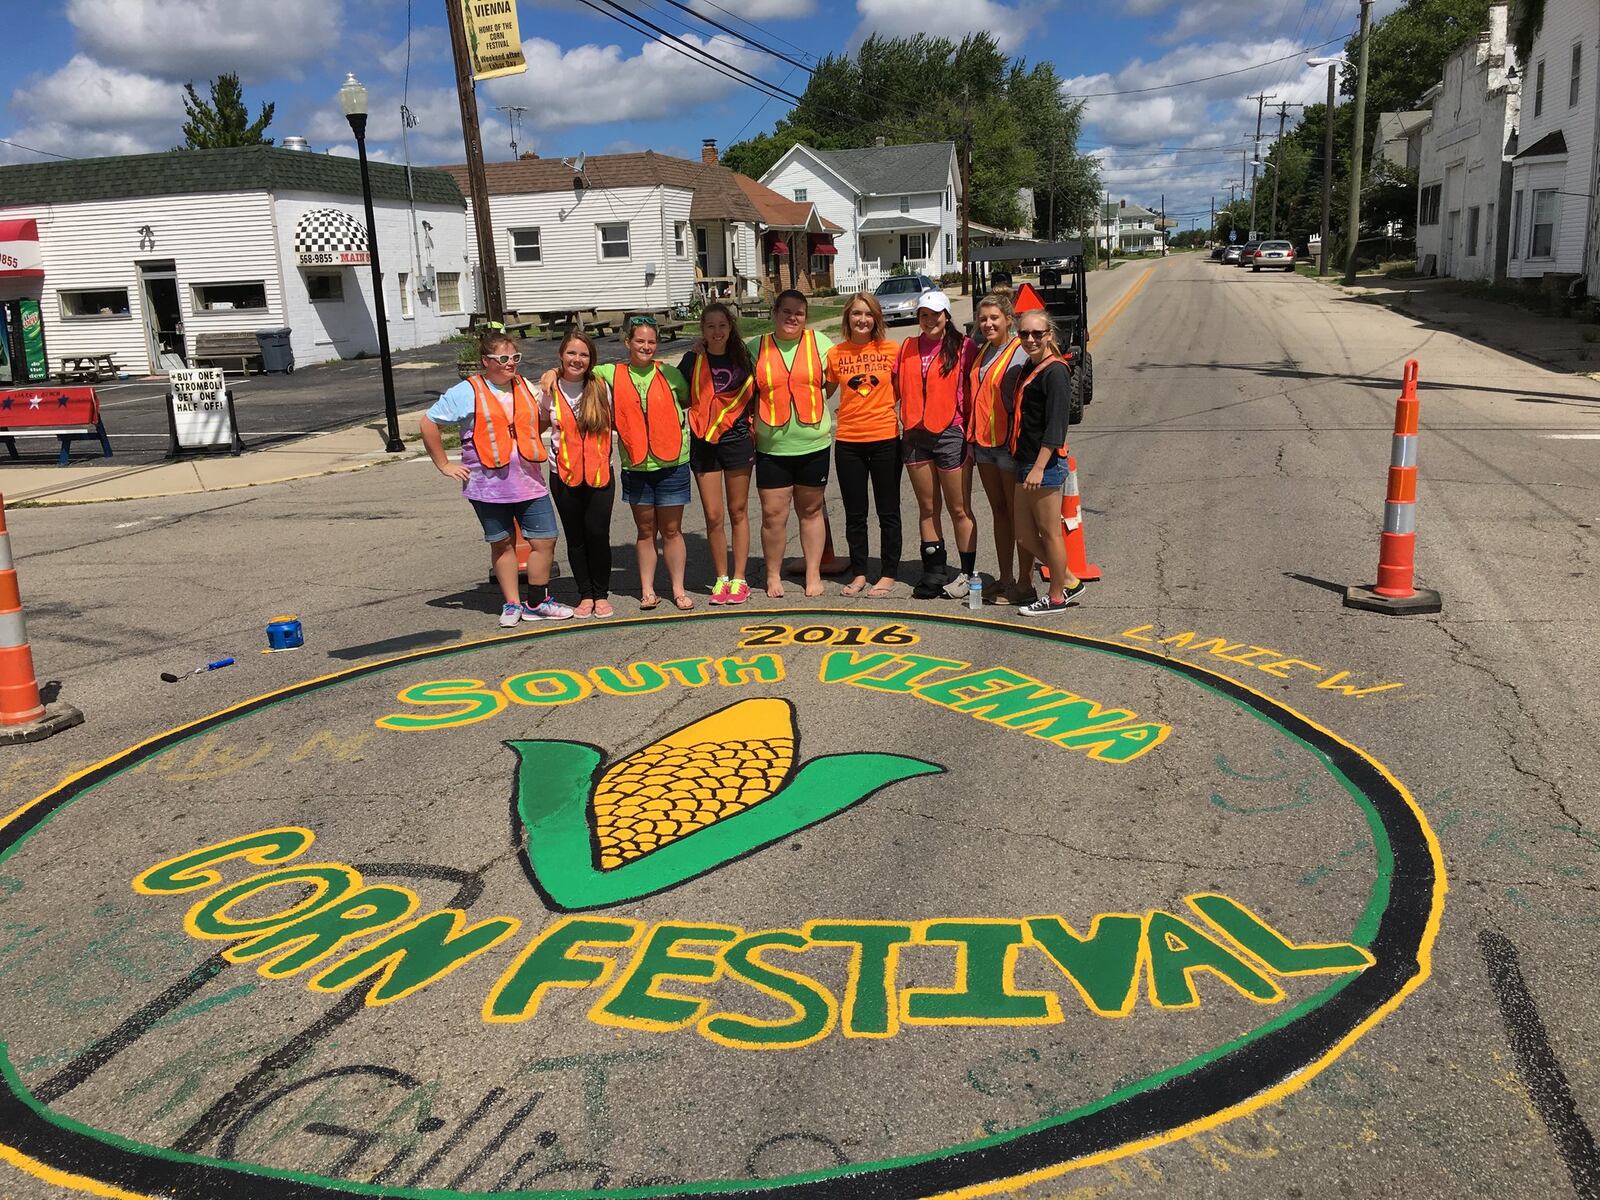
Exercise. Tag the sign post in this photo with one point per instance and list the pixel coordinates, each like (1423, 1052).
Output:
(200, 414)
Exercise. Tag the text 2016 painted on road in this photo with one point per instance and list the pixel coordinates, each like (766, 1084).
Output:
(827, 635)
(627, 960)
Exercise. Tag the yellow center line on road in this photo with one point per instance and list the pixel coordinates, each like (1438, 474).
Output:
(1105, 322)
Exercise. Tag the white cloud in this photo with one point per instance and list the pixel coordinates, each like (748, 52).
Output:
(593, 85)
(85, 108)
(905, 18)
(197, 39)
(755, 10)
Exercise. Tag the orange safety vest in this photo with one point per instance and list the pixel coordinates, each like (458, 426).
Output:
(584, 458)
(651, 426)
(713, 413)
(926, 402)
(991, 423)
(493, 436)
(1016, 425)
(786, 393)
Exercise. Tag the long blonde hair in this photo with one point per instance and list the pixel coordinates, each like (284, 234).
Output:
(594, 408)
(880, 327)
(1052, 335)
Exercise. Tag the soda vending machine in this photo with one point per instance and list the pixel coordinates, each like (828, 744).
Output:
(23, 356)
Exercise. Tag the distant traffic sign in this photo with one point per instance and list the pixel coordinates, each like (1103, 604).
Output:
(1233, 235)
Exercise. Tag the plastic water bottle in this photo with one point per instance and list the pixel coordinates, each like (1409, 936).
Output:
(975, 594)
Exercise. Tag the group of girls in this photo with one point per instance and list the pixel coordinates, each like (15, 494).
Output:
(936, 405)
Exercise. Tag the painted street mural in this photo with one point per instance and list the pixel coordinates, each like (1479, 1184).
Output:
(565, 914)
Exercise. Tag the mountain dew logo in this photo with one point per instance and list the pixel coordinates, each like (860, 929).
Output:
(711, 792)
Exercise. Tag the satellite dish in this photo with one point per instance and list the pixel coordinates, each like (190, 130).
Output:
(577, 163)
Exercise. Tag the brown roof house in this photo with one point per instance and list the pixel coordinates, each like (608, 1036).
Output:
(619, 231)
(797, 247)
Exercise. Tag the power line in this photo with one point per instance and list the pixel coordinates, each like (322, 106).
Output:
(34, 150)
(1162, 87)
(733, 16)
(778, 54)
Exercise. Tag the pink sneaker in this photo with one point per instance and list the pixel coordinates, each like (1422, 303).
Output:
(738, 592)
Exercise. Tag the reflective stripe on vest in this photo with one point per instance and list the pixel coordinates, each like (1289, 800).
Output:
(650, 427)
(991, 422)
(927, 400)
(784, 393)
(585, 458)
(493, 436)
(1016, 426)
(713, 413)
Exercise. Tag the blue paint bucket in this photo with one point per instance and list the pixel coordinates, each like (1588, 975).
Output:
(285, 633)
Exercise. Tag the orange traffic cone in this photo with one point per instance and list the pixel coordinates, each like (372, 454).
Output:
(24, 717)
(1072, 517)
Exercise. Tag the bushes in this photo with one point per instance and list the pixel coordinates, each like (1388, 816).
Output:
(824, 291)
(950, 278)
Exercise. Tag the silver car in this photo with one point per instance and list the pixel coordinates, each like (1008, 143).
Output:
(1273, 255)
(898, 295)
(1230, 256)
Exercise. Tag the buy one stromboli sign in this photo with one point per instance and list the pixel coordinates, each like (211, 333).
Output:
(1004, 780)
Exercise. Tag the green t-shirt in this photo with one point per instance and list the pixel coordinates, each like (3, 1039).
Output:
(794, 438)
(680, 397)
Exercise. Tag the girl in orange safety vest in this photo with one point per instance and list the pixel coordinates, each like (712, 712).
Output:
(722, 448)
(576, 406)
(999, 368)
(648, 401)
(501, 474)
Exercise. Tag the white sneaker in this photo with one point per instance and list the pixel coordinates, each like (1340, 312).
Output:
(548, 609)
(510, 615)
(958, 587)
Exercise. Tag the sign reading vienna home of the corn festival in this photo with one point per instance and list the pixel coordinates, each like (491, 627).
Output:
(828, 905)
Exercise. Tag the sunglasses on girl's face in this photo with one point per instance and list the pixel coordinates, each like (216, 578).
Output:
(505, 360)
(1031, 335)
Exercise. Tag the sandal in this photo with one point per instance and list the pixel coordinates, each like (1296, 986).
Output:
(647, 605)
(602, 608)
(880, 590)
(683, 603)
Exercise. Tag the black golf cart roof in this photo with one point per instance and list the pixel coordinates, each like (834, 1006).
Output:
(1009, 251)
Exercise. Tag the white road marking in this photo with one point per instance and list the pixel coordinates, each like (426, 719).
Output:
(1571, 437)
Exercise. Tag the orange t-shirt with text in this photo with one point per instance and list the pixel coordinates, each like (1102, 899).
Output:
(864, 376)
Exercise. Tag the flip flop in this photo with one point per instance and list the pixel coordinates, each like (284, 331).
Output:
(647, 605)
(879, 592)
(683, 603)
(853, 589)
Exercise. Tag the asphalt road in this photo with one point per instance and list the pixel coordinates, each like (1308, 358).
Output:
(1344, 865)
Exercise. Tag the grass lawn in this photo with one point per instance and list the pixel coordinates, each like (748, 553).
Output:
(826, 316)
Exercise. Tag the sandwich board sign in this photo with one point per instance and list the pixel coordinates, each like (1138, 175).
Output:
(200, 413)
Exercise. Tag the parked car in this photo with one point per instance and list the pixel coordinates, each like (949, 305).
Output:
(1248, 253)
(1232, 255)
(1218, 251)
(898, 295)
(1274, 255)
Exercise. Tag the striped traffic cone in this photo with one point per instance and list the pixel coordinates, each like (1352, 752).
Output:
(1072, 530)
(24, 717)
(1395, 592)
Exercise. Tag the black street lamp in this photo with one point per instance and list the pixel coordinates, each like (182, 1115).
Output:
(353, 99)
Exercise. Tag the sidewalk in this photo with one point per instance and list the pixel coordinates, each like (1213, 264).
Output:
(1560, 343)
(347, 449)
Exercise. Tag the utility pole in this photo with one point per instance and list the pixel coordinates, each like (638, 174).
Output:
(1327, 175)
(1357, 146)
(1213, 218)
(1105, 215)
(1163, 230)
(1052, 236)
(478, 183)
(966, 195)
(1255, 159)
(1277, 168)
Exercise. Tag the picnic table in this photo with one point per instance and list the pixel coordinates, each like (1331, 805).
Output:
(88, 368)
(668, 326)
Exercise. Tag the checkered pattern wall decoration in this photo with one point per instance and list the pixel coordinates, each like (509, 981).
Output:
(328, 237)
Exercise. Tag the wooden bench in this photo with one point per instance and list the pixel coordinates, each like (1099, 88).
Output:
(87, 368)
(753, 306)
(62, 412)
(227, 347)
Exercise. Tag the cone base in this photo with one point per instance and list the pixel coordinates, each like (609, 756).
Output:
(56, 718)
(1419, 603)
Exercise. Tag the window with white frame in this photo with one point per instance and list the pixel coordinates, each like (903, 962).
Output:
(405, 294)
(905, 204)
(325, 287)
(525, 246)
(1474, 214)
(448, 284)
(1542, 239)
(1516, 225)
(680, 238)
(1575, 86)
(913, 246)
(227, 297)
(800, 195)
(94, 302)
(949, 200)
(1538, 89)
(949, 248)
(613, 240)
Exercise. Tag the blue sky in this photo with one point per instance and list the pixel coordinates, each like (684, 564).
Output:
(105, 76)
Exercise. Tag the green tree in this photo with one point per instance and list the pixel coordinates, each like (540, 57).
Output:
(1409, 49)
(224, 120)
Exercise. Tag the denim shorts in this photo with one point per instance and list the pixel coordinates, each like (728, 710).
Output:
(537, 517)
(1055, 472)
(995, 456)
(664, 488)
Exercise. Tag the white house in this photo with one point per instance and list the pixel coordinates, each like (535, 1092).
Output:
(628, 231)
(1552, 175)
(895, 204)
(1125, 227)
(1464, 173)
(142, 254)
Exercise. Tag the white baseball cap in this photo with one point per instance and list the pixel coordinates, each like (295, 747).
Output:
(934, 301)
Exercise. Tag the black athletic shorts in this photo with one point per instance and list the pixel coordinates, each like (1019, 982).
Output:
(735, 452)
(792, 470)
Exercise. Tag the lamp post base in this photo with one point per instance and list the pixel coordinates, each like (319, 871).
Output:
(393, 445)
